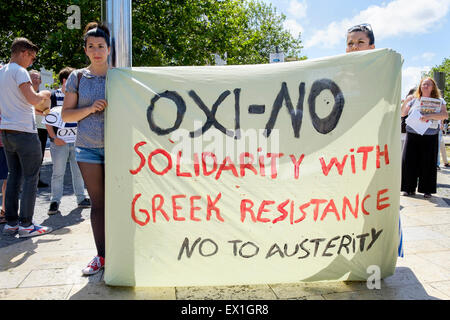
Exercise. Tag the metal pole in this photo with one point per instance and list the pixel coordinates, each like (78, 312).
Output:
(116, 15)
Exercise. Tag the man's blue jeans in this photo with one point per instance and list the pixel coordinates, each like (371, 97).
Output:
(24, 155)
(60, 155)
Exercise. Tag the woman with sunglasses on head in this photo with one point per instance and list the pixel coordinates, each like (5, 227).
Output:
(84, 102)
(420, 151)
(360, 37)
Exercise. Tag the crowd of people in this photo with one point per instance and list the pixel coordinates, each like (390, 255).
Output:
(81, 102)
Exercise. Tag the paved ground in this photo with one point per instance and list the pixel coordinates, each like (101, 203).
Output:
(48, 267)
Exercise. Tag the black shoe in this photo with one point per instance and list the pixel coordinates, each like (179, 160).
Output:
(408, 194)
(42, 184)
(427, 195)
(53, 208)
(86, 203)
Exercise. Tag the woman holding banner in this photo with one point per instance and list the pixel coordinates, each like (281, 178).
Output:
(85, 103)
(422, 144)
(361, 38)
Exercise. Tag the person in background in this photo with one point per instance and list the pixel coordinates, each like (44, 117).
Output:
(420, 151)
(85, 103)
(3, 175)
(62, 150)
(410, 93)
(20, 139)
(42, 131)
(442, 149)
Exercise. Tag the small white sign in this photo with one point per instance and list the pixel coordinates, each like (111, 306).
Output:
(69, 134)
(219, 61)
(276, 57)
(65, 131)
(53, 118)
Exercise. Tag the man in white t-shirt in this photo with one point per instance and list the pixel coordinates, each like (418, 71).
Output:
(20, 139)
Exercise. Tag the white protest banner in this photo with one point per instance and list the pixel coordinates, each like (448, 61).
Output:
(277, 173)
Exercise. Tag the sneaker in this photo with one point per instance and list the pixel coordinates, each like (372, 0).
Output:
(10, 230)
(54, 206)
(33, 230)
(94, 266)
(86, 203)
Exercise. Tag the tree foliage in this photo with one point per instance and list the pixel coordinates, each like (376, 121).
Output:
(44, 23)
(444, 67)
(166, 32)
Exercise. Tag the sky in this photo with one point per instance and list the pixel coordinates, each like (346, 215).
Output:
(417, 29)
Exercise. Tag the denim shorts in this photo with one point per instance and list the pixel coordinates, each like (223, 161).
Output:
(90, 155)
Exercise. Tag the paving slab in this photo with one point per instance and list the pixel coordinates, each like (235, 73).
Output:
(49, 267)
(250, 292)
(100, 291)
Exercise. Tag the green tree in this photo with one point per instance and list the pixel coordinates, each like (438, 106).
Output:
(169, 32)
(188, 32)
(45, 24)
(444, 67)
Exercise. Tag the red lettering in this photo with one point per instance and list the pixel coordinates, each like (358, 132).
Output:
(169, 161)
(225, 166)
(142, 163)
(381, 154)
(263, 209)
(244, 165)
(363, 207)
(365, 151)
(302, 207)
(379, 200)
(296, 164)
(317, 202)
(133, 214)
(212, 207)
(281, 209)
(273, 163)
(175, 207)
(213, 156)
(340, 166)
(179, 173)
(331, 207)
(196, 165)
(246, 206)
(192, 199)
(346, 203)
(262, 168)
(159, 207)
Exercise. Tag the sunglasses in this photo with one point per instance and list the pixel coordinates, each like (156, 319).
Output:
(361, 27)
(33, 55)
